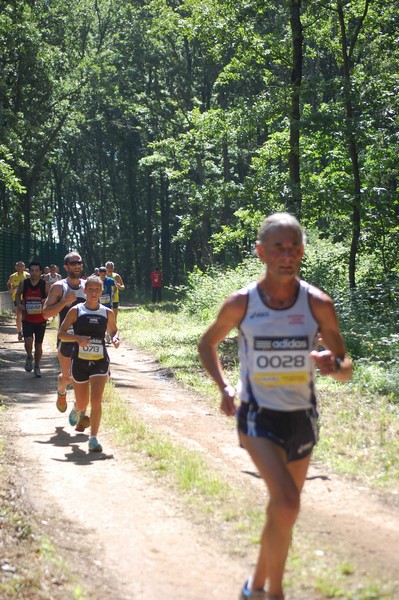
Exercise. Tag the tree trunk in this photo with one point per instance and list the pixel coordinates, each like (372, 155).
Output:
(101, 194)
(131, 225)
(151, 254)
(165, 227)
(347, 53)
(295, 202)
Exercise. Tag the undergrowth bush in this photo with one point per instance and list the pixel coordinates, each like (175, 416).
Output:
(206, 292)
(368, 315)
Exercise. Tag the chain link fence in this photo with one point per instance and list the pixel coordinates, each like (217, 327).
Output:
(16, 246)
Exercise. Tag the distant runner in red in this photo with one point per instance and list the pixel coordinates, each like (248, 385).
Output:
(30, 297)
(156, 284)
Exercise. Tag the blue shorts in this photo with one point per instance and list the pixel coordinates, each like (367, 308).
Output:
(297, 431)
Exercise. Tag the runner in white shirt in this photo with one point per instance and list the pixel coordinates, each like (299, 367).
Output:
(279, 319)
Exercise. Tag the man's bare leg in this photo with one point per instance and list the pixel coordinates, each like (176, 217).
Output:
(64, 377)
(284, 482)
(63, 380)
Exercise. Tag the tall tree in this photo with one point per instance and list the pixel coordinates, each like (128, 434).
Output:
(348, 46)
(162, 130)
(295, 116)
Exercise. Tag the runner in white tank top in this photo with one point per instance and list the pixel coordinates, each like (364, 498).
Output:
(53, 275)
(64, 294)
(274, 352)
(90, 360)
(278, 319)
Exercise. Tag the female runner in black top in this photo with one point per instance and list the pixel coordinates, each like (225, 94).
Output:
(90, 361)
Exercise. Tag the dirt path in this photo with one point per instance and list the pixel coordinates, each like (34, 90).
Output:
(127, 536)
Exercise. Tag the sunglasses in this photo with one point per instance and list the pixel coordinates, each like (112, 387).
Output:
(75, 262)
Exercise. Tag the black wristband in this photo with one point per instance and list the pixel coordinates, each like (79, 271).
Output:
(338, 362)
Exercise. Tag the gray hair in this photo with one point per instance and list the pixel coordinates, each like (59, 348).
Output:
(277, 221)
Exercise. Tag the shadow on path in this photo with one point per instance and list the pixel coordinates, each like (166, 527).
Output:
(62, 438)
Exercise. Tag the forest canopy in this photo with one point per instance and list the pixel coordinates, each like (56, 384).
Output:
(162, 131)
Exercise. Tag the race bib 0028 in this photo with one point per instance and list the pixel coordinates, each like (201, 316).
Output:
(281, 361)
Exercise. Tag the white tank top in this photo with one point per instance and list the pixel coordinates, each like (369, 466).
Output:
(52, 279)
(273, 349)
(80, 297)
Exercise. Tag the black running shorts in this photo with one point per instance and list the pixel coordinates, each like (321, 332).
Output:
(82, 370)
(65, 348)
(296, 431)
(34, 329)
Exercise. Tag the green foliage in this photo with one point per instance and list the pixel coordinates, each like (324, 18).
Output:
(159, 132)
(189, 472)
(206, 291)
(325, 263)
(369, 318)
(7, 173)
(237, 240)
(368, 315)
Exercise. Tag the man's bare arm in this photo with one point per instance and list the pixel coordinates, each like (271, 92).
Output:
(55, 301)
(18, 297)
(229, 317)
(335, 360)
(9, 285)
(119, 283)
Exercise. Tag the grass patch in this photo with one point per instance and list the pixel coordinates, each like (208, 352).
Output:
(333, 578)
(188, 472)
(236, 516)
(171, 337)
(359, 435)
(359, 430)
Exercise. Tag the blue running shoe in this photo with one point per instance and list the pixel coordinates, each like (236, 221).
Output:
(28, 364)
(74, 417)
(94, 445)
(246, 592)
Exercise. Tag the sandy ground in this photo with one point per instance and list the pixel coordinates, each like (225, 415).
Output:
(129, 537)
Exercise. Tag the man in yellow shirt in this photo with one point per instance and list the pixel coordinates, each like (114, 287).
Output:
(12, 284)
